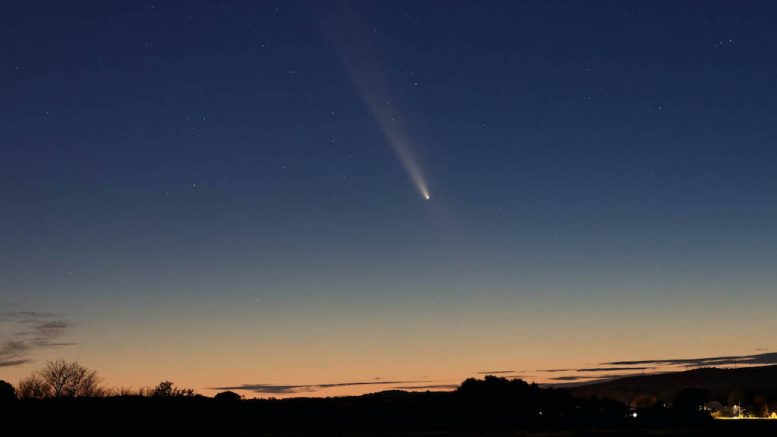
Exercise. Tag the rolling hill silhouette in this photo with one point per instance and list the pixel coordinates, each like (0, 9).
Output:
(719, 383)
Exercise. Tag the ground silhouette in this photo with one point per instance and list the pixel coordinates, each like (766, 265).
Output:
(493, 405)
(7, 392)
(744, 386)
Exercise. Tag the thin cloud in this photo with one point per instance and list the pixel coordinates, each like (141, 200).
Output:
(613, 369)
(653, 365)
(571, 378)
(592, 378)
(598, 369)
(6, 316)
(270, 389)
(756, 359)
(578, 380)
(35, 331)
(427, 387)
(589, 375)
(307, 388)
(13, 347)
(496, 372)
(10, 363)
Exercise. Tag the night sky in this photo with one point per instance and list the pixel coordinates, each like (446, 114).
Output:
(229, 193)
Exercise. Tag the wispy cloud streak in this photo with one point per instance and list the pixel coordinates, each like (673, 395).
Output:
(31, 331)
(598, 369)
(308, 388)
(427, 387)
(730, 360)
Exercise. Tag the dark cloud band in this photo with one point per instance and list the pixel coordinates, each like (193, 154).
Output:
(756, 359)
(307, 388)
(35, 331)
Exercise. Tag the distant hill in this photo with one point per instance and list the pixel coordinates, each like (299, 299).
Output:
(720, 383)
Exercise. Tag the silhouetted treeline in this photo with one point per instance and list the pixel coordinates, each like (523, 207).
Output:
(489, 404)
(65, 398)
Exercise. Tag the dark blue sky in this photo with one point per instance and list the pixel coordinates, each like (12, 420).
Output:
(189, 158)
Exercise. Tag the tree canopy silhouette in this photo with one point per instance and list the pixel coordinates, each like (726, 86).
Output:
(60, 379)
(690, 400)
(7, 392)
(167, 389)
(229, 396)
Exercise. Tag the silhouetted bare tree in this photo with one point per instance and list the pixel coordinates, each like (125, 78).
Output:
(124, 392)
(61, 378)
(33, 387)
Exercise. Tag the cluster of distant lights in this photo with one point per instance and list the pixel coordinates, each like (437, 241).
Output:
(772, 416)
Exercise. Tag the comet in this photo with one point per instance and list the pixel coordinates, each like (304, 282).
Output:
(363, 67)
(399, 143)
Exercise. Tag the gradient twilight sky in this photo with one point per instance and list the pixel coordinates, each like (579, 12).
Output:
(222, 193)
